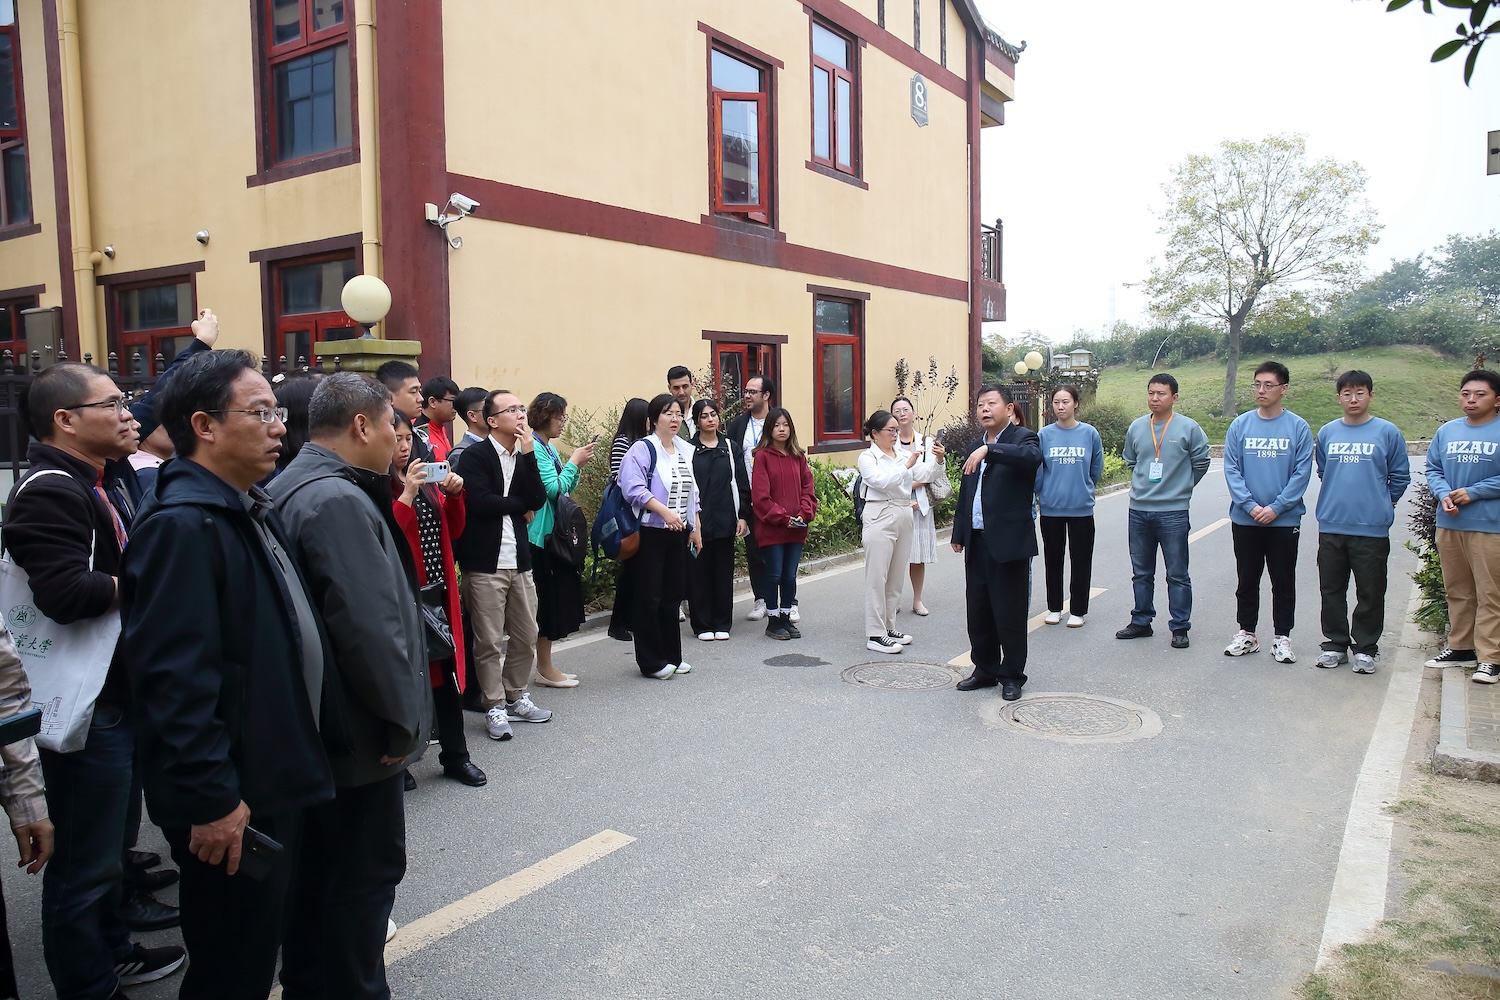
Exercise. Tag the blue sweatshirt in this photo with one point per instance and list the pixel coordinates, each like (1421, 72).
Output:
(1364, 470)
(1268, 463)
(1184, 460)
(1467, 457)
(1072, 462)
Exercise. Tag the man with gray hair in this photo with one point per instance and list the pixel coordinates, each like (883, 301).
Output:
(335, 501)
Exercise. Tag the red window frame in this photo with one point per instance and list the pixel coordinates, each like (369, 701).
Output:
(11, 138)
(855, 339)
(306, 43)
(760, 211)
(830, 108)
(316, 325)
(754, 360)
(12, 330)
(124, 341)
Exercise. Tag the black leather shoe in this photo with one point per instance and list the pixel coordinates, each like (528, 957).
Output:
(411, 783)
(143, 912)
(1179, 640)
(974, 682)
(142, 881)
(792, 631)
(1011, 691)
(466, 773)
(622, 636)
(143, 860)
(1133, 631)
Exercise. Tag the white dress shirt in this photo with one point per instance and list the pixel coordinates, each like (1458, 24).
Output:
(884, 477)
(507, 558)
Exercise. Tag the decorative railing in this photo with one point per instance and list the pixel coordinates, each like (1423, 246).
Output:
(992, 252)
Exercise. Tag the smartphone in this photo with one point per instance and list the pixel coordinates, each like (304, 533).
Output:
(436, 472)
(20, 727)
(595, 438)
(258, 854)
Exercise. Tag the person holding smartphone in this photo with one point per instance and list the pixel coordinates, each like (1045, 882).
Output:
(784, 502)
(559, 588)
(885, 473)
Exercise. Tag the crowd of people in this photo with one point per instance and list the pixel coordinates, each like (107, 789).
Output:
(303, 583)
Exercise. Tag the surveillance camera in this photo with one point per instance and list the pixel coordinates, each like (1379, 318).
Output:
(463, 203)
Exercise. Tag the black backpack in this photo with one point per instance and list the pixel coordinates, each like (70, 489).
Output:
(569, 540)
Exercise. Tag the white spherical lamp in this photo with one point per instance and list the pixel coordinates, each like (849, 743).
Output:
(1021, 368)
(366, 299)
(1033, 360)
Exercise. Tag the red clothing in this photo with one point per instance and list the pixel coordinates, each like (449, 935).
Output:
(780, 486)
(436, 436)
(451, 518)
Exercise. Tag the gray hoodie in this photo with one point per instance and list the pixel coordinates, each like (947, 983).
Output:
(1184, 461)
(361, 575)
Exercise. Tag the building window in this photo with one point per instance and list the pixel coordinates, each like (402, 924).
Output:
(307, 86)
(15, 186)
(834, 97)
(308, 310)
(12, 330)
(150, 319)
(741, 136)
(838, 360)
(736, 362)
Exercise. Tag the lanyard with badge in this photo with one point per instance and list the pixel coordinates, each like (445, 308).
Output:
(1153, 471)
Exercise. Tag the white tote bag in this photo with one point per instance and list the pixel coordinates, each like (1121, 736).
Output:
(66, 664)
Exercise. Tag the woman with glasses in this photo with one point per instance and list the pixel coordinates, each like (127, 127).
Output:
(924, 523)
(720, 475)
(632, 428)
(885, 475)
(784, 502)
(431, 516)
(559, 588)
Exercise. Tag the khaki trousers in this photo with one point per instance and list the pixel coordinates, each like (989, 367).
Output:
(497, 604)
(1471, 575)
(887, 538)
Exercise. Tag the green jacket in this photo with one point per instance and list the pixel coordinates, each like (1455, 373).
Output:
(557, 477)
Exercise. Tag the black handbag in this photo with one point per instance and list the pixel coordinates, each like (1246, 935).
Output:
(568, 542)
(435, 625)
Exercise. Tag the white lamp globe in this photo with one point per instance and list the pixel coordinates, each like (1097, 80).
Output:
(1021, 368)
(366, 299)
(1033, 360)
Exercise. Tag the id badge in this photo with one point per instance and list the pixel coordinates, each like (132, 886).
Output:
(1153, 472)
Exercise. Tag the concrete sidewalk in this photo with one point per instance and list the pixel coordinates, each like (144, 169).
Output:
(1469, 729)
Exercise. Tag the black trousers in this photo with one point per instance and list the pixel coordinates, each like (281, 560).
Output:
(1367, 559)
(996, 598)
(1058, 535)
(232, 925)
(661, 584)
(711, 586)
(447, 707)
(1259, 550)
(625, 584)
(755, 563)
(354, 856)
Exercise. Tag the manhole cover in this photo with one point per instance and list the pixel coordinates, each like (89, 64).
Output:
(905, 676)
(795, 660)
(1074, 718)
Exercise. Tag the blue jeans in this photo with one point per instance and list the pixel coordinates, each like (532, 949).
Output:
(88, 797)
(1168, 529)
(781, 574)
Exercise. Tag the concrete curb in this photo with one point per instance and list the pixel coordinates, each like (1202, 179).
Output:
(1453, 757)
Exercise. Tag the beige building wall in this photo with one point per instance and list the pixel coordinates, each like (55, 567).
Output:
(32, 260)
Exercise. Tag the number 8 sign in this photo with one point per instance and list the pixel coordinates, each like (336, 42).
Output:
(919, 100)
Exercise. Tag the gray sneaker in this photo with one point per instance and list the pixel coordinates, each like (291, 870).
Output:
(1330, 658)
(522, 710)
(496, 724)
(1364, 663)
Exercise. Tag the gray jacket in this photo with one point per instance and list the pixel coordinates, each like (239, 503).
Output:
(361, 575)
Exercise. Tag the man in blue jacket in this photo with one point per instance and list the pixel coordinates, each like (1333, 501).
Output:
(1363, 466)
(1268, 457)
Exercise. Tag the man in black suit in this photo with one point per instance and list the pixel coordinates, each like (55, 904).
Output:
(993, 521)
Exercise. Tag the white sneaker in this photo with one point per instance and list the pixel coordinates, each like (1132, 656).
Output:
(899, 637)
(496, 724)
(706, 636)
(1281, 650)
(758, 612)
(681, 614)
(1330, 659)
(1053, 617)
(522, 710)
(1075, 621)
(683, 668)
(390, 930)
(721, 636)
(795, 615)
(1364, 663)
(882, 644)
(664, 672)
(1242, 643)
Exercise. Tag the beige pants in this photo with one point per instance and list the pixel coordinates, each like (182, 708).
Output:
(887, 538)
(500, 603)
(1471, 575)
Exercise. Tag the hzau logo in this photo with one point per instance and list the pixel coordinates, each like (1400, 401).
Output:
(22, 616)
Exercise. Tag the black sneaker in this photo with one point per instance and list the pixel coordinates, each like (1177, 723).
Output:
(792, 631)
(1451, 657)
(1133, 631)
(146, 965)
(1179, 640)
(1487, 673)
(776, 627)
(882, 644)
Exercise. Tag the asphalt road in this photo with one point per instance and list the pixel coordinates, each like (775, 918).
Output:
(797, 835)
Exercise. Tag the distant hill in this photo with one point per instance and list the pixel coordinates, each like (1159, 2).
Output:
(1416, 388)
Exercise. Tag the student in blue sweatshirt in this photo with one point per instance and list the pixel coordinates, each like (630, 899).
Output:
(1072, 462)
(1268, 458)
(1463, 472)
(1363, 466)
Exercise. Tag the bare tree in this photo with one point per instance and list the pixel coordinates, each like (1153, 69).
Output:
(1250, 219)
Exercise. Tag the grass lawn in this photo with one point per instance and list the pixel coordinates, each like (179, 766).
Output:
(1415, 387)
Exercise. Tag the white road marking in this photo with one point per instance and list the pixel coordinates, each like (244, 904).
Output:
(1202, 532)
(1357, 903)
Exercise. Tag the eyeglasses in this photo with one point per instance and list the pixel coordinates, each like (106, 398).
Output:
(509, 409)
(1268, 386)
(1352, 394)
(118, 405)
(752, 392)
(265, 415)
(889, 430)
(445, 399)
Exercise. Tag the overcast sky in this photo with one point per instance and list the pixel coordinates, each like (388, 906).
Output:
(1110, 96)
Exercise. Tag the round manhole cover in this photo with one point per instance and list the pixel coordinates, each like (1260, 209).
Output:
(905, 676)
(1074, 718)
(794, 660)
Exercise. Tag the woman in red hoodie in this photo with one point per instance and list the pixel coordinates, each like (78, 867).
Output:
(784, 502)
(431, 516)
